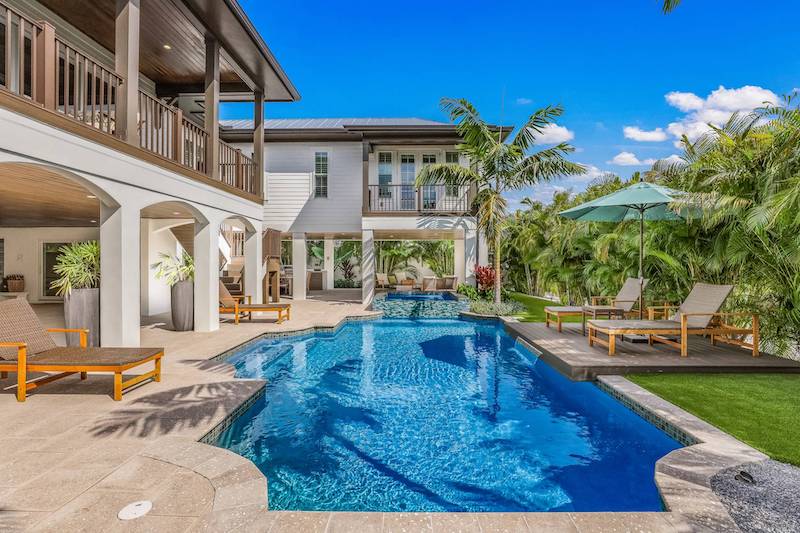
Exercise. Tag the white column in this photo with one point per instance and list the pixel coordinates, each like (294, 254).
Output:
(206, 276)
(126, 64)
(119, 268)
(459, 260)
(299, 259)
(483, 250)
(471, 255)
(367, 266)
(330, 265)
(253, 265)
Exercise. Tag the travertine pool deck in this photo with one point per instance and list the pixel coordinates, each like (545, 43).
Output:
(570, 354)
(72, 458)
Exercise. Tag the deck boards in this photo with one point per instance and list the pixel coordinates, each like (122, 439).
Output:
(570, 354)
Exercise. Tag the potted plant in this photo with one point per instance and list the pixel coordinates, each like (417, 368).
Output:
(15, 283)
(178, 273)
(78, 270)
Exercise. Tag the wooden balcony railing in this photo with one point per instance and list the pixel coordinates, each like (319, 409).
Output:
(38, 65)
(425, 199)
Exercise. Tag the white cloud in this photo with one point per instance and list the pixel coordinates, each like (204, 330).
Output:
(637, 134)
(684, 101)
(524, 101)
(674, 158)
(715, 109)
(628, 159)
(554, 134)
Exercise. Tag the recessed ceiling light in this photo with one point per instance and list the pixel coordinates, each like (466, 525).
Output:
(93, 221)
(167, 47)
(92, 196)
(176, 213)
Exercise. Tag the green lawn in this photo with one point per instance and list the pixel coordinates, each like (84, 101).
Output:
(762, 410)
(535, 305)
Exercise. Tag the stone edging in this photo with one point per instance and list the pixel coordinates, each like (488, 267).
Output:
(683, 476)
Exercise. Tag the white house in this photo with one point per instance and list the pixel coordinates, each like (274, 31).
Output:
(109, 130)
(329, 179)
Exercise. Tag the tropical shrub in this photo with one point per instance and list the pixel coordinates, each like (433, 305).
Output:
(469, 291)
(77, 267)
(485, 276)
(346, 284)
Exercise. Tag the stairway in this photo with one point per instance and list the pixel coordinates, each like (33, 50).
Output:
(232, 282)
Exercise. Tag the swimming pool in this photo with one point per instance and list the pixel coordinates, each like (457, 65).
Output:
(422, 296)
(437, 415)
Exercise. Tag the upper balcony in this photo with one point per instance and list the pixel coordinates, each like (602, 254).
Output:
(86, 67)
(425, 200)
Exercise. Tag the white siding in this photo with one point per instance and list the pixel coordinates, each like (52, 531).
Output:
(290, 205)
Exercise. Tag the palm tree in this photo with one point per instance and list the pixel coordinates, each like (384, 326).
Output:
(669, 5)
(498, 166)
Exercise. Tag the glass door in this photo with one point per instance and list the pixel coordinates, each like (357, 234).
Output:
(428, 191)
(408, 176)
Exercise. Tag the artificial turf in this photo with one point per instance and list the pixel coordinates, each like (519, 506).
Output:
(762, 410)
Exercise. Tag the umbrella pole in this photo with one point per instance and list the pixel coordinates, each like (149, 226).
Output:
(641, 263)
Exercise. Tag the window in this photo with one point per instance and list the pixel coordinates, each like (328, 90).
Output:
(384, 174)
(321, 174)
(408, 176)
(50, 251)
(428, 191)
(453, 159)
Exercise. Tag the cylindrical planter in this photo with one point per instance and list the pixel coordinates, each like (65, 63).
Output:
(183, 305)
(82, 311)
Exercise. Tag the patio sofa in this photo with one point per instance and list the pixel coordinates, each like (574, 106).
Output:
(697, 315)
(26, 346)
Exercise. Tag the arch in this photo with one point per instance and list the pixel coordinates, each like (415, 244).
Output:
(249, 227)
(174, 209)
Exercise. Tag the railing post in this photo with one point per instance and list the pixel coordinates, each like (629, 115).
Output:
(126, 64)
(419, 199)
(212, 108)
(47, 64)
(258, 143)
(177, 136)
(238, 169)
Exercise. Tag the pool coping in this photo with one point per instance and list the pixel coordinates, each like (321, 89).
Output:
(683, 476)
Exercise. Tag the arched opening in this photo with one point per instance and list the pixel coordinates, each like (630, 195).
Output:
(167, 254)
(42, 209)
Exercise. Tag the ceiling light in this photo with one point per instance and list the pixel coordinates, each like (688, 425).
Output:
(93, 221)
(176, 213)
(92, 196)
(167, 47)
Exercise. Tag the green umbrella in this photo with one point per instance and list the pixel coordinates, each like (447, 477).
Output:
(641, 201)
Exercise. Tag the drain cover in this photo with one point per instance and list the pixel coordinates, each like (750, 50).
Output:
(135, 510)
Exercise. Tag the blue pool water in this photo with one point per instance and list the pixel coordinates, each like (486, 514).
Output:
(437, 415)
(421, 296)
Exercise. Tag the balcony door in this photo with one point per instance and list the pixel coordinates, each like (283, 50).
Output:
(428, 191)
(408, 176)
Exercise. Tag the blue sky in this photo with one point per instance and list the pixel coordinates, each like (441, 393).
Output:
(610, 64)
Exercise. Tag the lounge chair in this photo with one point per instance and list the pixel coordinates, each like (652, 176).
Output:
(697, 315)
(448, 283)
(241, 306)
(26, 346)
(618, 306)
(382, 281)
(429, 283)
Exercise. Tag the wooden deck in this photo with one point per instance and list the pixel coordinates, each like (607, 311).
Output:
(570, 354)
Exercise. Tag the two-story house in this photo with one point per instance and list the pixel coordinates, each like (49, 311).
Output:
(109, 130)
(340, 179)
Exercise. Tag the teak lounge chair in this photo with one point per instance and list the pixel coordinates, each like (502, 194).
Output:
(697, 315)
(237, 306)
(26, 346)
(619, 306)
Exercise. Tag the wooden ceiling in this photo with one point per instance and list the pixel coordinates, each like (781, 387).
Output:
(162, 23)
(33, 196)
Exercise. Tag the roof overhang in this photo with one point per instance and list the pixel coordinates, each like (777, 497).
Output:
(427, 134)
(228, 23)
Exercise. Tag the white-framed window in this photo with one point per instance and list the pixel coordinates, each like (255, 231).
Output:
(320, 174)
(453, 159)
(384, 174)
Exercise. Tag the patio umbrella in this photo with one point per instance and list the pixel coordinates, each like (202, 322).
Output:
(641, 201)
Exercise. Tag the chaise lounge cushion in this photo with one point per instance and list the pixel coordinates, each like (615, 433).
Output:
(623, 325)
(704, 298)
(19, 323)
(559, 309)
(72, 356)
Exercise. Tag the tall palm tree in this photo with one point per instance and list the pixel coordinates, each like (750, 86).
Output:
(669, 5)
(497, 166)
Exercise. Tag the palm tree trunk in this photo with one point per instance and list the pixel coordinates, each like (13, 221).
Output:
(497, 277)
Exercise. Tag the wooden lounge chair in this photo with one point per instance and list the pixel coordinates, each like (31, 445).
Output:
(26, 346)
(697, 315)
(448, 283)
(382, 281)
(241, 306)
(618, 306)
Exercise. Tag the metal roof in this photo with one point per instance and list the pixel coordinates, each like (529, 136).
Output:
(330, 123)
